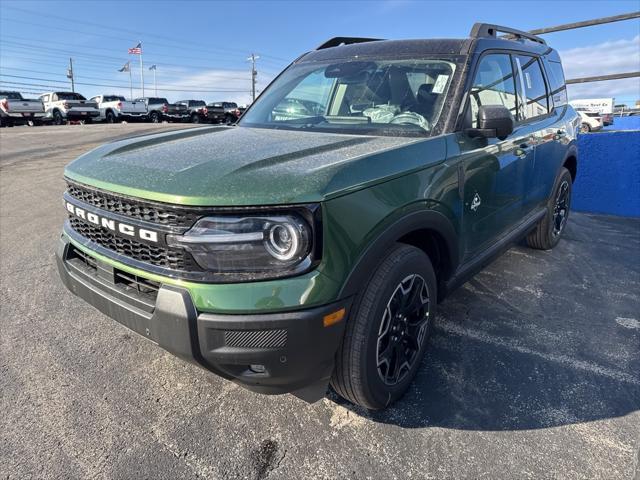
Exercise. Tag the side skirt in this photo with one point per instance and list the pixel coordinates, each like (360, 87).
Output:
(473, 266)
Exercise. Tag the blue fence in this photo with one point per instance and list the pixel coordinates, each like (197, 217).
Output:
(608, 179)
(625, 123)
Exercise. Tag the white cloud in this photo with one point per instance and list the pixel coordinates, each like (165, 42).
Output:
(618, 56)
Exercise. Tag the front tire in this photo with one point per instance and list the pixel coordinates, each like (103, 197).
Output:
(154, 117)
(387, 332)
(549, 230)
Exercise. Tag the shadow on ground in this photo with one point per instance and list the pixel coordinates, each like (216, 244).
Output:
(537, 340)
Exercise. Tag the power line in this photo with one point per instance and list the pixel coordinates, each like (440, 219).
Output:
(136, 33)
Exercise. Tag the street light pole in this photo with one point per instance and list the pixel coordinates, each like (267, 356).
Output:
(254, 74)
(70, 74)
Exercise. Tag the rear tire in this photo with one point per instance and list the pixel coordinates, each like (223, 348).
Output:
(57, 118)
(386, 334)
(195, 118)
(549, 230)
(110, 117)
(585, 128)
(154, 117)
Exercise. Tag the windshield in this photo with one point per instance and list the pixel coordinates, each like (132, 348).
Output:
(386, 97)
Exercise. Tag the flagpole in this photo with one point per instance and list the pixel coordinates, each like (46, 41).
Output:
(141, 70)
(130, 84)
(155, 85)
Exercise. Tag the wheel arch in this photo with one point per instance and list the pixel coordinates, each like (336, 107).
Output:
(571, 163)
(428, 230)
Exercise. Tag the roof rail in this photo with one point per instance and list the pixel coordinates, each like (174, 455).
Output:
(337, 41)
(487, 30)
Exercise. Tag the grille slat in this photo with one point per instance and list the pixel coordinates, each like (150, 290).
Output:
(134, 208)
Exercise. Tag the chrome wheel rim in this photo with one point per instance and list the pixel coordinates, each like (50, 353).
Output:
(402, 329)
(561, 209)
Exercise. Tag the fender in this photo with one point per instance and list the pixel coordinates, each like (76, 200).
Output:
(376, 250)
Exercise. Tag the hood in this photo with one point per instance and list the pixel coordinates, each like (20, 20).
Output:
(241, 166)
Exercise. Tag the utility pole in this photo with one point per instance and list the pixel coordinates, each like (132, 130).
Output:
(254, 74)
(70, 74)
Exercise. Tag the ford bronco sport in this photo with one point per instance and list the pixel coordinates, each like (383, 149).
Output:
(311, 242)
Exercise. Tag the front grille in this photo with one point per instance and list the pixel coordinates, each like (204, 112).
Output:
(143, 210)
(171, 258)
(143, 286)
(255, 338)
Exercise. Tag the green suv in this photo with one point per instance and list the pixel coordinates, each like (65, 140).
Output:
(310, 243)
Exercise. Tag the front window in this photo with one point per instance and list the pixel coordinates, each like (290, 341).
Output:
(385, 97)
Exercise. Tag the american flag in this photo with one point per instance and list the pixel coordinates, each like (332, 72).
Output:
(137, 50)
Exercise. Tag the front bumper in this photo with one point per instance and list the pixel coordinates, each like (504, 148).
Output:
(295, 349)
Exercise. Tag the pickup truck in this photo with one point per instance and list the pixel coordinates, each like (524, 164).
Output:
(115, 108)
(159, 109)
(15, 110)
(287, 253)
(63, 106)
(223, 112)
(198, 111)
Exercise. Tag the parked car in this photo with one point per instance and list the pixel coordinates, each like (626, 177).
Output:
(198, 112)
(159, 109)
(63, 106)
(223, 112)
(289, 253)
(589, 121)
(16, 110)
(115, 108)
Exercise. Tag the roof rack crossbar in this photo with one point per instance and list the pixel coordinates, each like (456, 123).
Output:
(337, 41)
(487, 30)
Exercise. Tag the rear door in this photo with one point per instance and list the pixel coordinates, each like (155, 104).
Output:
(494, 171)
(547, 131)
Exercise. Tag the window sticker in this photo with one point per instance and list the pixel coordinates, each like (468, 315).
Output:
(527, 76)
(441, 83)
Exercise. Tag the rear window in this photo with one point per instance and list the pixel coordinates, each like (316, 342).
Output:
(11, 95)
(112, 98)
(532, 89)
(197, 103)
(230, 105)
(556, 82)
(157, 100)
(69, 96)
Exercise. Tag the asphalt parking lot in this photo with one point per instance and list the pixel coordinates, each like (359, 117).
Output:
(533, 370)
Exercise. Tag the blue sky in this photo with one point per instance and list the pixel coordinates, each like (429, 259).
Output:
(201, 47)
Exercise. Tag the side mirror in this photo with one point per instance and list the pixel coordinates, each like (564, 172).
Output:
(494, 121)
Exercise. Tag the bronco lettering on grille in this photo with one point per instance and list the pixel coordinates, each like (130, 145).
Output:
(113, 225)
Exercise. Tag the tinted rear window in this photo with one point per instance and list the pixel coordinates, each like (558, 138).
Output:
(230, 105)
(556, 82)
(197, 103)
(158, 100)
(11, 95)
(112, 98)
(69, 96)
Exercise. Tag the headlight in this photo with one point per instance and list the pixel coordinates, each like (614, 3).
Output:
(249, 247)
